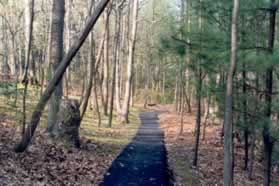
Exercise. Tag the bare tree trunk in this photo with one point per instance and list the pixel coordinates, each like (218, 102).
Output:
(268, 144)
(198, 96)
(182, 118)
(118, 66)
(29, 17)
(206, 115)
(132, 43)
(56, 55)
(246, 130)
(228, 128)
(68, 42)
(198, 118)
(106, 63)
(115, 58)
(92, 72)
(253, 133)
(57, 77)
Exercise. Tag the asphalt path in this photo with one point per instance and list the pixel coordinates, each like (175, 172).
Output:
(143, 162)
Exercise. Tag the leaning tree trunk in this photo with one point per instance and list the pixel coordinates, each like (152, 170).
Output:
(132, 43)
(57, 77)
(56, 55)
(228, 128)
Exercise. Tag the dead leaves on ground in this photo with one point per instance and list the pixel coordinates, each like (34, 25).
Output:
(210, 161)
(47, 164)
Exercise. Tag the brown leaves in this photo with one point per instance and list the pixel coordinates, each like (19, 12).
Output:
(47, 164)
(210, 161)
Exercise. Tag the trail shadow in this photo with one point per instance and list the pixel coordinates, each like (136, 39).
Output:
(143, 161)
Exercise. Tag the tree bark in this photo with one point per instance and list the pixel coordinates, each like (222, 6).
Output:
(106, 63)
(56, 55)
(118, 67)
(115, 58)
(130, 65)
(92, 72)
(29, 17)
(268, 144)
(228, 122)
(198, 118)
(246, 128)
(198, 96)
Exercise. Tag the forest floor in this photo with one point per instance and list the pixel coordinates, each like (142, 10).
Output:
(45, 163)
(210, 162)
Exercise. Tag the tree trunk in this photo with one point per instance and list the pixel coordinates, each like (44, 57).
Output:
(56, 55)
(198, 118)
(268, 144)
(130, 65)
(246, 128)
(115, 58)
(206, 115)
(118, 66)
(67, 42)
(92, 72)
(57, 77)
(29, 17)
(198, 96)
(228, 128)
(106, 63)
(253, 132)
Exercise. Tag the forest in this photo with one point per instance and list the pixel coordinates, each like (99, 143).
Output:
(139, 92)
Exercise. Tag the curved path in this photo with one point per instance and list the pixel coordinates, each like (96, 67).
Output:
(143, 162)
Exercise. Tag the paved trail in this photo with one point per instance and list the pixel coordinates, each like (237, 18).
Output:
(143, 162)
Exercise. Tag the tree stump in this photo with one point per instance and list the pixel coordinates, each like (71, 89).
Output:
(68, 122)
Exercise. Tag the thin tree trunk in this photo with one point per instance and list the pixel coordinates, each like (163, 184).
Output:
(106, 64)
(118, 66)
(198, 119)
(206, 115)
(198, 96)
(228, 123)
(68, 43)
(29, 17)
(130, 65)
(115, 58)
(268, 144)
(253, 133)
(246, 130)
(176, 94)
(91, 74)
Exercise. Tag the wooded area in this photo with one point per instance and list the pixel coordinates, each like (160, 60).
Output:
(82, 81)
